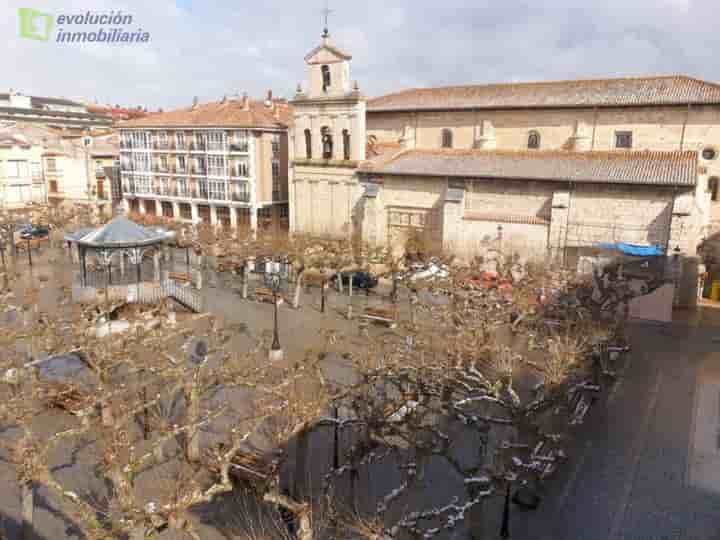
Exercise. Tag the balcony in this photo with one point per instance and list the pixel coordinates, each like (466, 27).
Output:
(242, 147)
(198, 146)
(242, 196)
(199, 171)
(217, 147)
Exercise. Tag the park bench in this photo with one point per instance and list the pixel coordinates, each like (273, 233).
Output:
(387, 316)
(263, 294)
(180, 277)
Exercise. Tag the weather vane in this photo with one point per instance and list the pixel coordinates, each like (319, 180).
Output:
(327, 11)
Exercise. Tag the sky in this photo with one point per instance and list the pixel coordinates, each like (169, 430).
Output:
(212, 48)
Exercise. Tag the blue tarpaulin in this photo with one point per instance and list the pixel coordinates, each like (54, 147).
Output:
(635, 250)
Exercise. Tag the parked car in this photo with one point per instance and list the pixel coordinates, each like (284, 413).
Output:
(34, 232)
(361, 280)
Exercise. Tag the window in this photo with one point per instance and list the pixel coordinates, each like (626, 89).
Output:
(275, 169)
(163, 163)
(713, 188)
(275, 144)
(51, 164)
(199, 141)
(241, 142)
(36, 173)
(199, 165)
(623, 139)
(181, 187)
(185, 211)
(181, 163)
(163, 139)
(216, 140)
(709, 153)
(327, 142)
(217, 190)
(180, 138)
(533, 140)
(325, 77)
(275, 180)
(346, 144)
(284, 212)
(164, 186)
(242, 168)
(216, 166)
(308, 144)
(447, 137)
(16, 168)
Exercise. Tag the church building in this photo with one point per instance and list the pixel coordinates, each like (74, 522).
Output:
(545, 169)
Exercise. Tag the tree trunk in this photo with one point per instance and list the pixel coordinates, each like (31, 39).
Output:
(28, 508)
(305, 531)
(298, 287)
(350, 292)
(245, 277)
(194, 432)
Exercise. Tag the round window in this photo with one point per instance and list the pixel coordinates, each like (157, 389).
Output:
(709, 153)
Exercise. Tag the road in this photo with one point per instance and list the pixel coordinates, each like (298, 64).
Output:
(646, 463)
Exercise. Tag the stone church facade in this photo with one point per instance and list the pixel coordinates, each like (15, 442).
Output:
(547, 170)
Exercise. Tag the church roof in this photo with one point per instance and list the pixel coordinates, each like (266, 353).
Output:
(231, 112)
(619, 92)
(119, 232)
(677, 168)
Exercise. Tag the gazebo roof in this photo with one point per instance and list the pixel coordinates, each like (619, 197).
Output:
(119, 232)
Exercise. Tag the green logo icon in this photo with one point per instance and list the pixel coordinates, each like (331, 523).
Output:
(35, 24)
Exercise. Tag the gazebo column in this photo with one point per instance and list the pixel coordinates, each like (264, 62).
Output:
(84, 267)
(156, 265)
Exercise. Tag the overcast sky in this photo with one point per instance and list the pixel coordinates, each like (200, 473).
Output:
(208, 48)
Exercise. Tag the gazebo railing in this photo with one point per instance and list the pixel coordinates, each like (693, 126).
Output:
(147, 292)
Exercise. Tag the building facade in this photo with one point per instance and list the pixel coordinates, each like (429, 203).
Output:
(544, 169)
(223, 163)
(21, 178)
(57, 112)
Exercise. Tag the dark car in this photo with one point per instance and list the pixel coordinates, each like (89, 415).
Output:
(34, 232)
(361, 280)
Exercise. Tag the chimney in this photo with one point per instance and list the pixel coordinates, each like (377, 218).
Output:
(268, 99)
(245, 102)
(195, 102)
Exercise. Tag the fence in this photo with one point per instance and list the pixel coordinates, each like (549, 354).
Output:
(142, 293)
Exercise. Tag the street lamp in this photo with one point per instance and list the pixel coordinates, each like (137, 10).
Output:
(273, 280)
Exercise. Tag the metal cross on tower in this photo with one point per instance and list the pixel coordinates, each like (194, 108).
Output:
(326, 12)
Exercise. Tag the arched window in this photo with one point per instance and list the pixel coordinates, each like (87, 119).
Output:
(326, 77)
(447, 138)
(713, 188)
(327, 142)
(533, 140)
(308, 144)
(346, 144)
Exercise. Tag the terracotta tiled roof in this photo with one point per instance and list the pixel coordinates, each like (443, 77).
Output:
(661, 90)
(678, 168)
(229, 112)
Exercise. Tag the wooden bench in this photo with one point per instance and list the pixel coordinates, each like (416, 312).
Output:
(263, 294)
(180, 277)
(384, 315)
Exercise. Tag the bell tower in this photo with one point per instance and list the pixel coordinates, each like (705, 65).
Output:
(328, 143)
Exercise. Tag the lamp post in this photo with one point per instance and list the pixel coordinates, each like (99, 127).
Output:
(273, 280)
(505, 527)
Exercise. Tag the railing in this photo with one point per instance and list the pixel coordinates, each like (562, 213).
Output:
(239, 147)
(199, 171)
(198, 146)
(217, 147)
(241, 197)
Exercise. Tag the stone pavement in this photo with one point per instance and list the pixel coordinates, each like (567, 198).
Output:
(630, 475)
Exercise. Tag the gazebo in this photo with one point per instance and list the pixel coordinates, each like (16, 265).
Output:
(118, 239)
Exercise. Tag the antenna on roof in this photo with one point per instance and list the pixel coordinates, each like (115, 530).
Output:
(326, 12)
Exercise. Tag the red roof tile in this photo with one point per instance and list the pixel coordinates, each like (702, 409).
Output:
(678, 168)
(629, 91)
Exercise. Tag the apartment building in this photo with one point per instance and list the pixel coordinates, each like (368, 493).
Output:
(21, 179)
(59, 112)
(222, 163)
